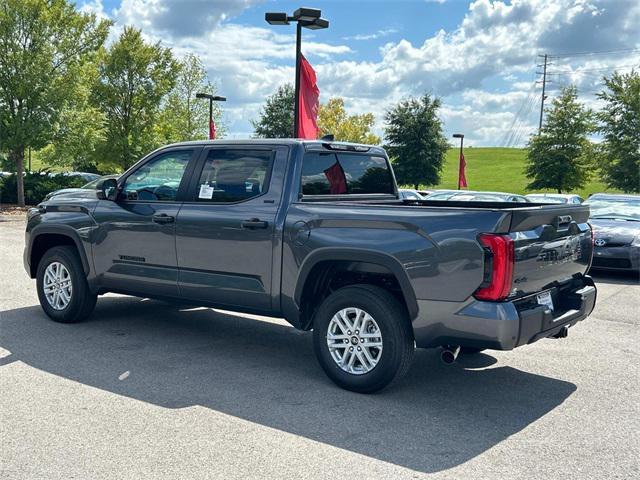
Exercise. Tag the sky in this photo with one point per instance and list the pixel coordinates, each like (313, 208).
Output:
(480, 58)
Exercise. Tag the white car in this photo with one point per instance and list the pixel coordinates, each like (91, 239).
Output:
(555, 198)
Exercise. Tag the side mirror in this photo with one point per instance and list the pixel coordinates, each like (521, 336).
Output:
(107, 189)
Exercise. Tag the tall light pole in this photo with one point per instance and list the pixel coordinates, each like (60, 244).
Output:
(211, 98)
(461, 137)
(307, 18)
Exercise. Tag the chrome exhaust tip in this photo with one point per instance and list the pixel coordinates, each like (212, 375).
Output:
(449, 354)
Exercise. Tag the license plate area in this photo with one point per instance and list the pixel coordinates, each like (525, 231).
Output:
(545, 299)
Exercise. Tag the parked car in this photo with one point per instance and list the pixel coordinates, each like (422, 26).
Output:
(325, 243)
(86, 176)
(408, 194)
(555, 198)
(87, 189)
(616, 224)
(474, 196)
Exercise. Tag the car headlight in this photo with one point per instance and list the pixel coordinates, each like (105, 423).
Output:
(32, 212)
(636, 241)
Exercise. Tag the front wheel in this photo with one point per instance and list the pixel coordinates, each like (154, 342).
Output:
(362, 338)
(62, 286)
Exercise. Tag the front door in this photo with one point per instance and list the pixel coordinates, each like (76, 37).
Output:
(225, 232)
(134, 249)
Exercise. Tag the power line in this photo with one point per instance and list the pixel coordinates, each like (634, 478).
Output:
(509, 134)
(601, 52)
(592, 70)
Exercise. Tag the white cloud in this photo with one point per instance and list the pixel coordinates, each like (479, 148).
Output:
(496, 43)
(372, 36)
(180, 18)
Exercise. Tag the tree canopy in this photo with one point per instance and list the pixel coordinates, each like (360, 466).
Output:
(183, 117)
(43, 44)
(333, 119)
(133, 78)
(276, 117)
(620, 126)
(560, 157)
(416, 141)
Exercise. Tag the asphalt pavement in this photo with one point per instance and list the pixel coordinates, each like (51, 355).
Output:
(144, 389)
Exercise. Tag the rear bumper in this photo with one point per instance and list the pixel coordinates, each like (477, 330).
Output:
(505, 325)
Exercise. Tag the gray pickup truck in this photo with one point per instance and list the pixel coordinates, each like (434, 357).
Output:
(315, 232)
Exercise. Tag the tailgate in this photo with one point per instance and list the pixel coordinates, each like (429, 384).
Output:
(552, 245)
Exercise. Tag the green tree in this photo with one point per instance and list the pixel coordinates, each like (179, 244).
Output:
(183, 117)
(43, 43)
(416, 142)
(80, 127)
(276, 117)
(560, 157)
(133, 79)
(620, 126)
(333, 119)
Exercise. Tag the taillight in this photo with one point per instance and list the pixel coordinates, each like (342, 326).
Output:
(500, 254)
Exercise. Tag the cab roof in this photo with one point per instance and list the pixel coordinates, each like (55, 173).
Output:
(314, 145)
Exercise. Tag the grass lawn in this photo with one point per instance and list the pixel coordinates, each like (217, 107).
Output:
(496, 169)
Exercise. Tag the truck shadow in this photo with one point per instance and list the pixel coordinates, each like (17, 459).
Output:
(437, 418)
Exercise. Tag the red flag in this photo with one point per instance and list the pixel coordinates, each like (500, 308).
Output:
(462, 179)
(212, 130)
(337, 180)
(308, 101)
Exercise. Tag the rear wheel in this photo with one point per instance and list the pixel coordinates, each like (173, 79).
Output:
(362, 338)
(62, 286)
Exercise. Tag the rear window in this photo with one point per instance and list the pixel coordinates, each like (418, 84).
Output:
(345, 173)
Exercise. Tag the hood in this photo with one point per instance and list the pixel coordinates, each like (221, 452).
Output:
(71, 192)
(615, 232)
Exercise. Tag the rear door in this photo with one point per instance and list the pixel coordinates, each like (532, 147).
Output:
(134, 247)
(225, 231)
(552, 245)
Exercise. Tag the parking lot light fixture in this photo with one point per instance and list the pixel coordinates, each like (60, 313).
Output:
(307, 18)
(211, 98)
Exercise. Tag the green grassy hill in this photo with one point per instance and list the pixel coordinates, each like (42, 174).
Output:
(496, 169)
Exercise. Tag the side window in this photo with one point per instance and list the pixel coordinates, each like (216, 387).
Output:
(157, 180)
(345, 173)
(234, 175)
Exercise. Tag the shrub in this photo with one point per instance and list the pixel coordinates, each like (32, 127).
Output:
(36, 186)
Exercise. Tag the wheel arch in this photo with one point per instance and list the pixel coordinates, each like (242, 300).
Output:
(48, 236)
(363, 261)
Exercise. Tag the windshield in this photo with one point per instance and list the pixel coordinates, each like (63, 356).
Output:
(441, 195)
(622, 209)
(547, 199)
(92, 184)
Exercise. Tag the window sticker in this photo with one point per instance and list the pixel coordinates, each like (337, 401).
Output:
(206, 192)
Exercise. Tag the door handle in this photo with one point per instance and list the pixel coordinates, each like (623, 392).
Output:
(163, 218)
(254, 223)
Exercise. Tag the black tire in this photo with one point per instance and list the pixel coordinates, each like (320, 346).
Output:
(471, 350)
(82, 300)
(395, 328)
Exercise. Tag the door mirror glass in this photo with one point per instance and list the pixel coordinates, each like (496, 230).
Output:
(107, 189)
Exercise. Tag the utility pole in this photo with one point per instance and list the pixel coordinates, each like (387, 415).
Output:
(544, 84)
